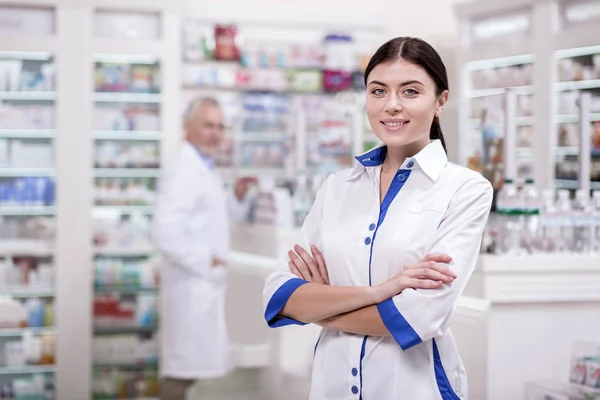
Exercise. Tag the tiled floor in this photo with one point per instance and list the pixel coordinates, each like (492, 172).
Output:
(252, 384)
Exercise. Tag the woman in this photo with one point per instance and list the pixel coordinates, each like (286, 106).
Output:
(394, 241)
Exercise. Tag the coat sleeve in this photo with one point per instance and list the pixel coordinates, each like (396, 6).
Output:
(178, 195)
(281, 283)
(414, 316)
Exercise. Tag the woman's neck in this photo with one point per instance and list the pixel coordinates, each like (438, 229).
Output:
(396, 155)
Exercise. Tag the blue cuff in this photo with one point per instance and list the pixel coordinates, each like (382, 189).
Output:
(278, 301)
(399, 327)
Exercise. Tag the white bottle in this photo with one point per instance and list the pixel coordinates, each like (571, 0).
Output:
(300, 201)
(531, 216)
(549, 223)
(509, 212)
(582, 222)
(565, 221)
(596, 220)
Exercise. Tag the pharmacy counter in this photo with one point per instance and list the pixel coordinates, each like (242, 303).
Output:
(539, 305)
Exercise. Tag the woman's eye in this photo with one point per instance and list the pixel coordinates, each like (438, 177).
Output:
(378, 92)
(411, 92)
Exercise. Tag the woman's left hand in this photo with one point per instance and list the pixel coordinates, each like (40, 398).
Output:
(309, 267)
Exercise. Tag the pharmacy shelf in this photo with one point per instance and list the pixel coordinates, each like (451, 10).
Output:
(127, 365)
(28, 96)
(26, 172)
(127, 172)
(573, 184)
(28, 370)
(522, 90)
(127, 135)
(125, 210)
(578, 85)
(26, 293)
(111, 330)
(574, 118)
(572, 151)
(521, 121)
(25, 247)
(27, 133)
(119, 252)
(262, 137)
(500, 62)
(17, 332)
(9, 211)
(100, 289)
(116, 97)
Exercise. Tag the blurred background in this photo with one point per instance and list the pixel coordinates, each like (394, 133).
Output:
(92, 94)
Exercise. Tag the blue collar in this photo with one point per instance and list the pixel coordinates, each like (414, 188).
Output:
(210, 161)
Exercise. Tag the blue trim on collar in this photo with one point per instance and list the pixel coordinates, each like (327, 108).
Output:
(373, 157)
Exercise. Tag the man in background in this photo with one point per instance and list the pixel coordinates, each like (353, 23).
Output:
(191, 231)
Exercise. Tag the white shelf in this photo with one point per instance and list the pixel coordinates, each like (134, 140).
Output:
(262, 137)
(125, 209)
(116, 97)
(499, 62)
(572, 151)
(112, 251)
(27, 133)
(573, 184)
(521, 121)
(127, 172)
(25, 172)
(574, 118)
(127, 135)
(522, 90)
(17, 332)
(26, 210)
(25, 247)
(27, 292)
(578, 85)
(28, 96)
(28, 370)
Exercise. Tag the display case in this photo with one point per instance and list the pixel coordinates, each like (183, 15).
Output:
(27, 221)
(274, 84)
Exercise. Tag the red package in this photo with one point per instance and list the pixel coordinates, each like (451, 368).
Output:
(226, 48)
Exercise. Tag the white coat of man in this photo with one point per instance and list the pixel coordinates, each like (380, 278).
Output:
(191, 231)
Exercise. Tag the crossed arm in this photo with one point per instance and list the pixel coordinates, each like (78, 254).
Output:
(412, 306)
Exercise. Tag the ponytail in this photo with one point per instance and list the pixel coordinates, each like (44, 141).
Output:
(436, 132)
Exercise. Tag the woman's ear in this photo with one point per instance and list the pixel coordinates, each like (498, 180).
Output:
(441, 102)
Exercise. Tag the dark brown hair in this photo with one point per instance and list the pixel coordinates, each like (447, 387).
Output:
(418, 52)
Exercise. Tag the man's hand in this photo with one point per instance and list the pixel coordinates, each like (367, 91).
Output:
(217, 262)
(307, 267)
(242, 186)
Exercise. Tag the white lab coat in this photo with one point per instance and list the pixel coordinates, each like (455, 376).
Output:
(190, 228)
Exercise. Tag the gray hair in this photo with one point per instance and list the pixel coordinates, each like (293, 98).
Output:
(195, 105)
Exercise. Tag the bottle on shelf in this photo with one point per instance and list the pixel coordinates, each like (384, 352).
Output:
(510, 212)
(565, 217)
(582, 222)
(531, 215)
(301, 200)
(596, 221)
(549, 223)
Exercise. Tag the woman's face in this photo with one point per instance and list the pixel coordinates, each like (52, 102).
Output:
(401, 103)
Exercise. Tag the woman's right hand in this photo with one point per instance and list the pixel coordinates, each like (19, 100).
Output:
(430, 273)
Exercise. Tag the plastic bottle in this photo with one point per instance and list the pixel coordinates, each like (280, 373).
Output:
(531, 234)
(596, 221)
(549, 227)
(301, 201)
(582, 223)
(565, 221)
(509, 213)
